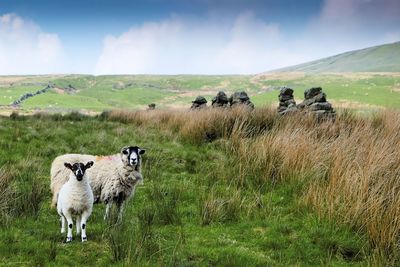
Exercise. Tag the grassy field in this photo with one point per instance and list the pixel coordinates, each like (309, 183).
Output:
(98, 93)
(221, 188)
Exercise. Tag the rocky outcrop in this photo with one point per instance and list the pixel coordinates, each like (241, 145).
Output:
(199, 103)
(70, 89)
(220, 100)
(240, 98)
(315, 102)
(286, 101)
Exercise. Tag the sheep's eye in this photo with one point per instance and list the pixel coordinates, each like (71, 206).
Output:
(125, 152)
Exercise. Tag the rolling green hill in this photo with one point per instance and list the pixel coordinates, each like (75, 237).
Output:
(88, 93)
(382, 58)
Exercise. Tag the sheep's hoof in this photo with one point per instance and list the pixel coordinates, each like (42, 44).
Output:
(62, 230)
(69, 239)
(84, 239)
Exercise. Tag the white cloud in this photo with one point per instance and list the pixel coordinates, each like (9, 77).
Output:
(244, 44)
(26, 49)
(139, 49)
(203, 44)
(344, 25)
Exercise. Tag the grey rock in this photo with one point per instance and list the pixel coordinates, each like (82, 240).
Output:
(283, 98)
(289, 102)
(198, 106)
(220, 100)
(281, 109)
(286, 91)
(321, 106)
(200, 100)
(240, 98)
(306, 103)
(286, 101)
(291, 109)
(321, 97)
(310, 93)
(199, 103)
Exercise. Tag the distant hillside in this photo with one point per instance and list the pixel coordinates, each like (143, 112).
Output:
(382, 58)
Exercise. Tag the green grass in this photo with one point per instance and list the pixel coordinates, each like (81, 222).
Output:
(10, 94)
(376, 90)
(183, 215)
(98, 93)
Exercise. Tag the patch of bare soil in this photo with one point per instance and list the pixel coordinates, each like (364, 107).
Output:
(277, 76)
(58, 90)
(67, 90)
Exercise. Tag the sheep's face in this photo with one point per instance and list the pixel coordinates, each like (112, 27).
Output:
(131, 155)
(79, 169)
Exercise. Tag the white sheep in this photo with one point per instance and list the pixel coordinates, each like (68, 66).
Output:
(113, 178)
(75, 198)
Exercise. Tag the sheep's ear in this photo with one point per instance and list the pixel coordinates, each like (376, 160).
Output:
(142, 151)
(89, 164)
(68, 165)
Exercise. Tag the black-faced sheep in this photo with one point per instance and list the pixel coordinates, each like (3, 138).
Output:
(113, 178)
(75, 198)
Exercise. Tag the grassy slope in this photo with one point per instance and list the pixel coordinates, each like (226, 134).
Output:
(105, 92)
(373, 89)
(102, 92)
(383, 58)
(164, 223)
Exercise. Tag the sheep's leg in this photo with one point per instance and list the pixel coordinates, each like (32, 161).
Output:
(78, 224)
(70, 223)
(62, 218)
(120, 211)
(108, 207)
(85, 216)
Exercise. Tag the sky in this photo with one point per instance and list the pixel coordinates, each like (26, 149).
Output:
(185, 37)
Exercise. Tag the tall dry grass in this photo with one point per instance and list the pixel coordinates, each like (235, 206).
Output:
(350, 167)
(201, 126)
